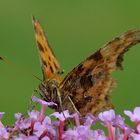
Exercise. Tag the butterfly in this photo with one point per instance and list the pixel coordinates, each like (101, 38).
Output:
(87, 88)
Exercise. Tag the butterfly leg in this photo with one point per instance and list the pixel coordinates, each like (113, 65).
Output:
(60, 102)
(36, 92)
(31, 106)
(74, 107)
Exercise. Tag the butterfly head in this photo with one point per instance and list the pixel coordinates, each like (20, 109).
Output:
(49, 91)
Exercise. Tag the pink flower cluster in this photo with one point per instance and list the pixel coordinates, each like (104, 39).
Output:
(38, 126)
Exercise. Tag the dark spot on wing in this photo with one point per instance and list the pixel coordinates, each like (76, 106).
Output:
(107, 98)
(87, 81)
(40, 46)
(49, 58)
(55, 65)
(44, 63)
(80, 104)
(99, 74)
(88, 98)
(120, 59)
(37, 31)
(49, 63)
(91, 80)
(96, 56)
(79, 69)
(46, 49)
(33, 18)
(51, 69)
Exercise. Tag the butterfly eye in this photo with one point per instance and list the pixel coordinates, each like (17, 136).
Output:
(60, 72)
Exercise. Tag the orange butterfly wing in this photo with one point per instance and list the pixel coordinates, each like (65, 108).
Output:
(49, 64)
(90, 83)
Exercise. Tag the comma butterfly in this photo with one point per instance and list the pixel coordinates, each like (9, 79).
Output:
(87, 88)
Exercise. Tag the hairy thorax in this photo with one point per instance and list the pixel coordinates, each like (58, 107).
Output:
(50, 92)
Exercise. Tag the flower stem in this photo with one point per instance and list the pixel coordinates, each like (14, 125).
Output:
(43, 108)
(61, 129)
(77, 122)
(32, 126)
(110, 132)
(135, 126)
(45, 133)
(125, 136)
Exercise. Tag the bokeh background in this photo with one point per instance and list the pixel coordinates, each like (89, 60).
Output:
(75, 29)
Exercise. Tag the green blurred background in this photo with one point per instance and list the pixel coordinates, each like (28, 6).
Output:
(75, 29)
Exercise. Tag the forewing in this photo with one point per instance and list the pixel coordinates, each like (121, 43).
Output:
(49, 64)
(90, 83)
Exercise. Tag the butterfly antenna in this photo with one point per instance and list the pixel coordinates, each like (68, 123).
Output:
(37, 78)
(15, 65)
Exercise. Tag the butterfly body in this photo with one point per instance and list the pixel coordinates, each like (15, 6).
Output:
(87, 88)
(49, 91)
